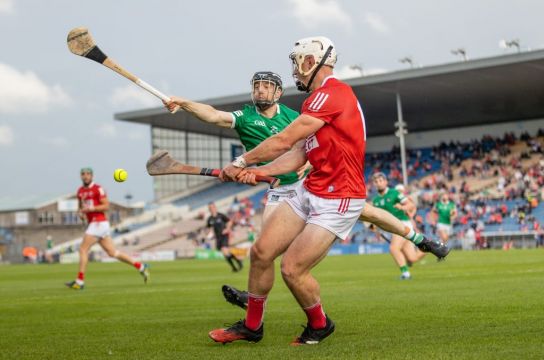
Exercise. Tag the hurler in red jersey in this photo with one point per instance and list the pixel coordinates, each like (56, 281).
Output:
(93, 204)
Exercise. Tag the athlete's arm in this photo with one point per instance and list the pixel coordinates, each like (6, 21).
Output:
(277, 145)
(273, 147)
(301, 171)
(407, 206)
(290, 161)
(453, 213)
(103, 206)
(228, 228)
(202, 112)
(80, 213)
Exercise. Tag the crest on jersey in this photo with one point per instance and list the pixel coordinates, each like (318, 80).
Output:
(311, 143)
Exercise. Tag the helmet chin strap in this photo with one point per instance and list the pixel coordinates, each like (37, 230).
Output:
(306, 88)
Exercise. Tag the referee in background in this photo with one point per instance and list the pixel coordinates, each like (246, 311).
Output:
(222, 226)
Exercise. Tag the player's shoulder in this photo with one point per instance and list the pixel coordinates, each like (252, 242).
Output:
(332, 91)
(99, 189)
(239, 116)
(284, 109)
(247, 109)
(393, 192)
(334, 85)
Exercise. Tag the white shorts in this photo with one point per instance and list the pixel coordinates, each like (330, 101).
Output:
(100, 229)
(281, 193)
(444, 227)
(336, 215)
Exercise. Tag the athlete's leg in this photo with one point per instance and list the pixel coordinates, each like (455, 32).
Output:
(86, 243)
(232, 294)
(444, 236)
(411, 253)
(84, 247)
(306, 251)
(387, 222)
(231, 259)
(107, 244)
(268, 210)
(395, 249)
(279, 230)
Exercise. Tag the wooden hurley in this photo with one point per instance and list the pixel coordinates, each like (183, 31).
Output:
(161, 163)
(80, 42)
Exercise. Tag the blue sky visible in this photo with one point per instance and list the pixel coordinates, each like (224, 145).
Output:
(56, 110)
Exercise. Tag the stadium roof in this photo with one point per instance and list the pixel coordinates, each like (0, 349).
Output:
(476, 92)
(10, 203)
(30, 201)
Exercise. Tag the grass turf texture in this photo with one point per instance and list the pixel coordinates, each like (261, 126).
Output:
(476, 305)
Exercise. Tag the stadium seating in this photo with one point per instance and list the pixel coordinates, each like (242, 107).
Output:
(427, 172)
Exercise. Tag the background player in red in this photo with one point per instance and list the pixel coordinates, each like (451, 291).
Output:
(93, 203)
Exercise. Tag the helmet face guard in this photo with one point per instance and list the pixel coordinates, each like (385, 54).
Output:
(274, 84)
(297, 69)
(324, 53)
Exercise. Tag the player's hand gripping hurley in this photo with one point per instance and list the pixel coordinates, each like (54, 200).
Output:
(80, 42)
(161, 163)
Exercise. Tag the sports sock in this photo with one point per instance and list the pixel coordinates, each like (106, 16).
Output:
(139, 266)
(413, 236)
(81, 276)
(255, 311)
(404, 269)
(316, 316)
(239, 262)
(229, 260)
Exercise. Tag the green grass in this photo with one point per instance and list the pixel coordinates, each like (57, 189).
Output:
(476, 305)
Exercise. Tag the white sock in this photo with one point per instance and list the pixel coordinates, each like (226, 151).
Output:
(80, 282)
(410, 235)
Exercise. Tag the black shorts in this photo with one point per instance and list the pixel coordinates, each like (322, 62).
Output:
(222, 242)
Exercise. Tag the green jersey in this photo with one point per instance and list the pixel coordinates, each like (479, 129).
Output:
(444, 211)
(387, 202)
(253, 128)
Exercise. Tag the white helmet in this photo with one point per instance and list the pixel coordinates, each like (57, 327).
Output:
(318, 46)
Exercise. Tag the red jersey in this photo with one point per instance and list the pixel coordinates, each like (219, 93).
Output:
(91, 196)
(337, 150)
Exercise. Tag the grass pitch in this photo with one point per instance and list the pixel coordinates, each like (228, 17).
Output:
(476, 305)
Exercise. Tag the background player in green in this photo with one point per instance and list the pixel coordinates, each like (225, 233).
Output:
(446, 210)
(395, 203)
(254, 123)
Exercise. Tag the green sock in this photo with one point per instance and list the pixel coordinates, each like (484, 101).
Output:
(417, 238)
(404, 269)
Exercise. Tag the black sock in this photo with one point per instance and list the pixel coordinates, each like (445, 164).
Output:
(229, 260)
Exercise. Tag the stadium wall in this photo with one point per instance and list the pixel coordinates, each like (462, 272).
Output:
(463, 134)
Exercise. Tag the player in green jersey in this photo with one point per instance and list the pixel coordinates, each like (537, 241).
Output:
(254, 123)
(447, 212)
(395, 203)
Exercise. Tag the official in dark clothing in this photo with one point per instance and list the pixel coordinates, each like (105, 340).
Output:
(222, 226)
